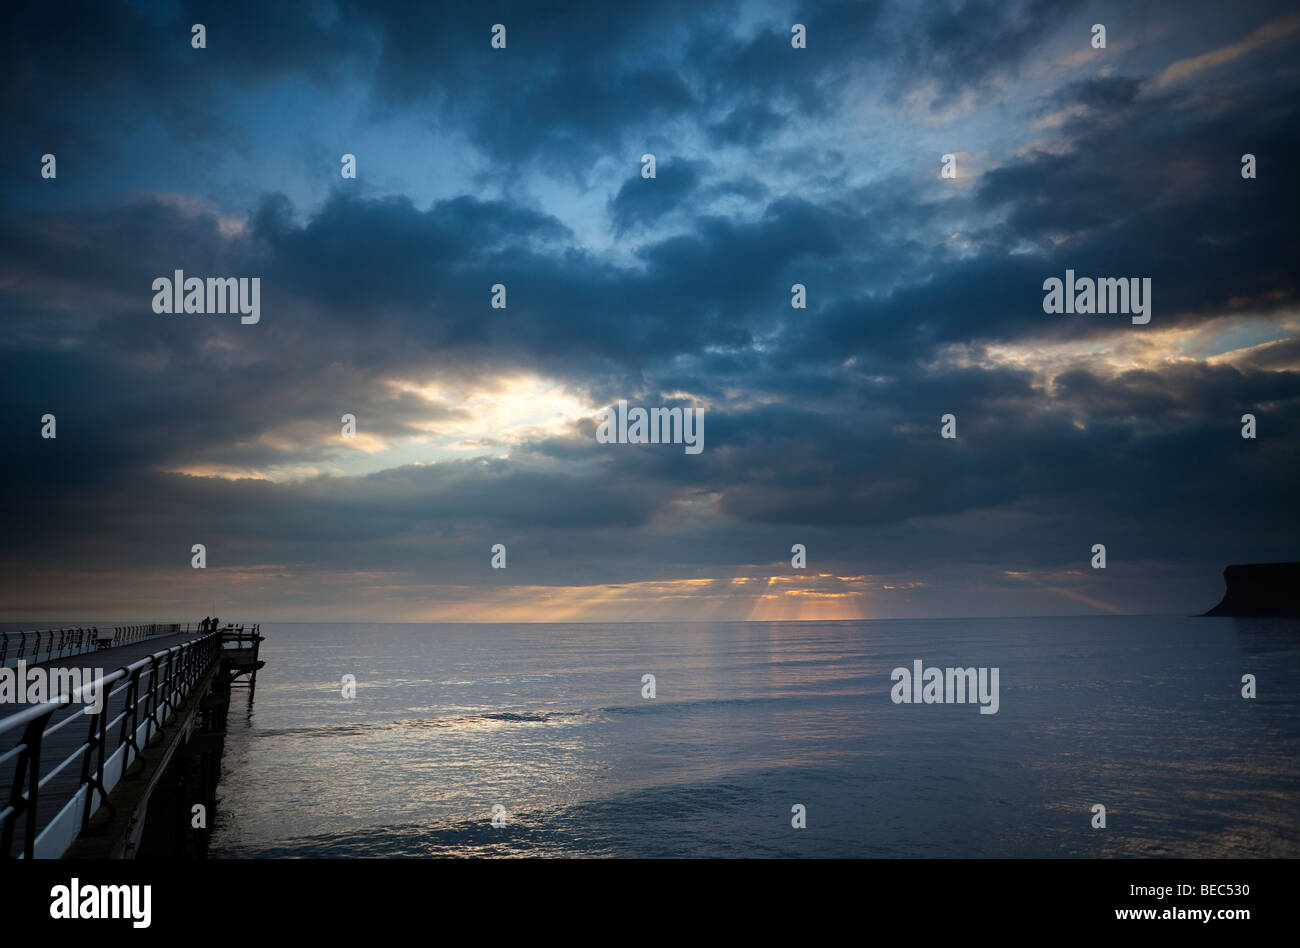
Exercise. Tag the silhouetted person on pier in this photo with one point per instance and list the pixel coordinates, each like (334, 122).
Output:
(203, 626)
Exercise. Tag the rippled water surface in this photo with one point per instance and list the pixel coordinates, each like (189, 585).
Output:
(1141, 714)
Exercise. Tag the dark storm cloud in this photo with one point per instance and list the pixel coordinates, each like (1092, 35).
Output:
(637, 204)
(427, 275)
(1110, 93)
(1169, 201)
(1150, 189)
(77, 75)
(576, 82)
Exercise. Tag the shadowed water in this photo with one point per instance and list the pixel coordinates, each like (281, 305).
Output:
(1141, 714)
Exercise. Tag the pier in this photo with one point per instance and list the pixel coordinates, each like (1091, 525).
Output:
(121, 777)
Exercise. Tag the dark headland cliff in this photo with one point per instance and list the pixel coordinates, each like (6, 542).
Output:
(1260, 589)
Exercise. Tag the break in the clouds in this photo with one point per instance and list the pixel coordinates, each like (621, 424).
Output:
(522, 167)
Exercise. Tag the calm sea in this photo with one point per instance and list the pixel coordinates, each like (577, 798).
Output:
(1143, 715)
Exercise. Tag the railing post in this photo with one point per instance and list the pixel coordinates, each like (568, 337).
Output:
(130, 722)
(29, 767)
(168, 698)
(151, 706)
(95, 740)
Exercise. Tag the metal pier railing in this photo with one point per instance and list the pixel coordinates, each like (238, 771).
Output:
(138, 699)
(50, 644)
